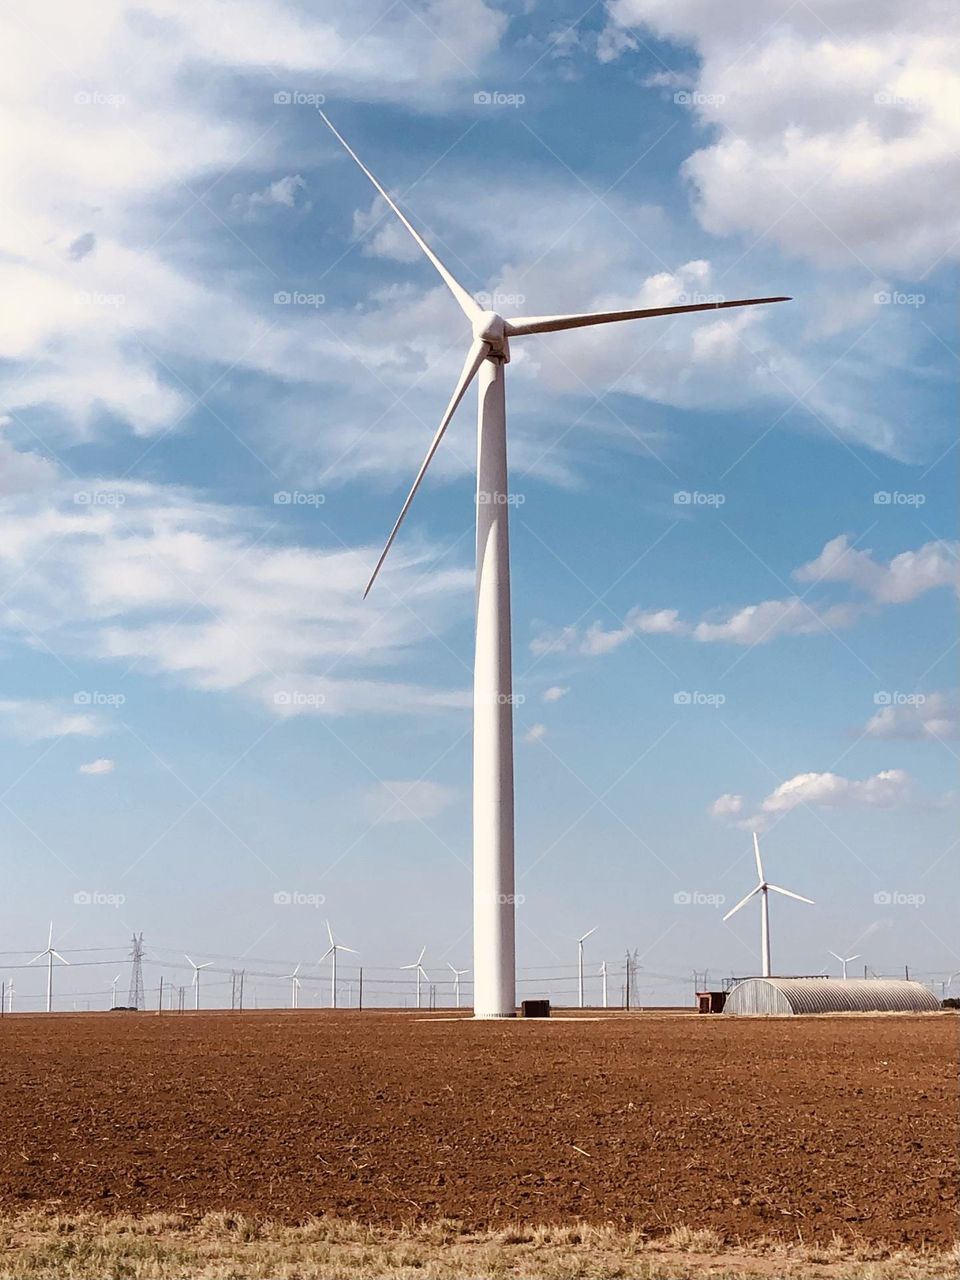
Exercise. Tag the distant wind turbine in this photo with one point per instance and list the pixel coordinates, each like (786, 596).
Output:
(421, 973)
(845, 960)
(294, 988)
(10, 997)
(113, 991)
(763, 889)
(50, 952)
(332, 952)
(457, 974)
(580, 942)
(196, 979)
(494, 918)
(603, 975)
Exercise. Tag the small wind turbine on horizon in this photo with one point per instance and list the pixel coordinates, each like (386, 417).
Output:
(332, 952)
(196, 979)
(113, 991)
(457, 974)
(580, 942)
(763, 888)
(421, 972)
(844, 961)
(603, 975)
(50, 952)
(494, 912)
(10, 990)
(294, 987)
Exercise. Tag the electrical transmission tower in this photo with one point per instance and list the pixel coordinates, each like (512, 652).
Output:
(136, 998)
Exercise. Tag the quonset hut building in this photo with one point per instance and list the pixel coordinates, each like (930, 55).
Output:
(785, 996)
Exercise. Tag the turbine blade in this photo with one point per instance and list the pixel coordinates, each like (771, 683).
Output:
(468, 304)
(36, 958)
(329, 951)
(742, 903)
(353, 950)
(330, 933)
(423, 952)
(588, 933)
(475, 357)
(788, 893)
(856, 957)
(450, 967)
(756, 854)
(59, 956)
(840, 958)
(521, 325)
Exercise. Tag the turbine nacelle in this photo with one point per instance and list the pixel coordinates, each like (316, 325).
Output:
(490, 328)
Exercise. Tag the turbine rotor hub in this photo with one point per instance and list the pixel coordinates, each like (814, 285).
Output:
(491, 328)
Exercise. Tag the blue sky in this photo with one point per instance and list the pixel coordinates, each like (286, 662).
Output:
(734, 544)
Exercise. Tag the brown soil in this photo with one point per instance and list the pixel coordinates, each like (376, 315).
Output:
(793, 1128)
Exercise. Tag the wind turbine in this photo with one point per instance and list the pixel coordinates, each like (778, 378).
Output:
(294, 987)
(421, 973)
(457, 974)
(10, 997)
(844, 960)
(113, 991)
(196, 979)
(603, 975)
(580, 942)
(763, 888)
(494, 923)
(332, 952)
(50, 952)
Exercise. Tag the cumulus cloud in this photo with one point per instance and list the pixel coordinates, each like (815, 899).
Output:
(726, 806)
(555, 693)
(98, 767)
(830, 127)
(284, 193)
(33, 719)
(889, 789)
(900, 580)
(536, 733)
(924, 717)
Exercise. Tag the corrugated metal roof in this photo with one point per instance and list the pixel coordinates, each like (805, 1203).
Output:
(830, 995)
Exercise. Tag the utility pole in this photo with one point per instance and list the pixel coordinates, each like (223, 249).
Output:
(160, 1001)
(360, 989)
(628, 982)
(242, 972)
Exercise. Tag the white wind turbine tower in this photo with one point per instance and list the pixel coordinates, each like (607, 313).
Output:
(844, 961)
(50, 952)
(763, 888)
(457, 975)
(196, 979)
(421, 973)
(580, 942)
(603, 975)
(494, 942)
(294, 987)
(10, 997)
(113, 991)
(332, 952)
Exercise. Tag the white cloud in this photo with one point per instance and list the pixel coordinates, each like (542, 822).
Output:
(761, 623)
(902, 579)
(555, 693)
(158, 581)
(889, 789)
(536, 733)
(831, 126)
(97, 767)
(932, 716)
(726, 806)
(33, 719)
(412, 801)
(284, 193)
